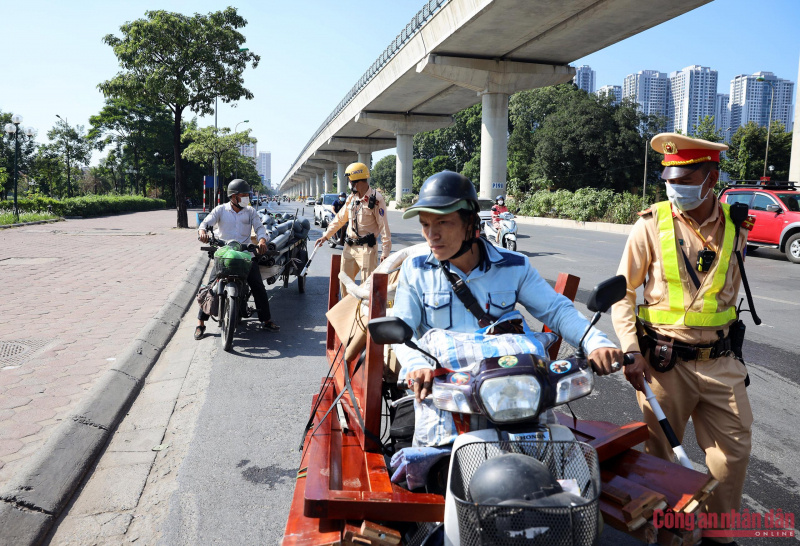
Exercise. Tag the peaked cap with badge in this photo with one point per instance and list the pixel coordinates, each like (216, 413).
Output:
(683, 155)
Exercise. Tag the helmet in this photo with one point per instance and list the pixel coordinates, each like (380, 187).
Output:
(238, 186)
(512, 477)
(443, 193)
(499, 198)
(343, 194)
(356, 171)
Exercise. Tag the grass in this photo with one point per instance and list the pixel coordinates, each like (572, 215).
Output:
(7, 218)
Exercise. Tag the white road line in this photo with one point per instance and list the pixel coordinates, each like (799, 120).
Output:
(563, 258)
(776, 300)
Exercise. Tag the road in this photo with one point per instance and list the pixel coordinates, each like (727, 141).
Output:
(234, 484)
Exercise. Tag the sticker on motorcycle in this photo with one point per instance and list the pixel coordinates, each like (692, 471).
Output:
(459, 378)
(560, 366)
(508, 361)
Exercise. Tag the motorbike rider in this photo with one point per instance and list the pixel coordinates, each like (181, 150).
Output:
(498, 209)
(234, 221)
(498, 278)
(339, 203)
(683, 249)
(364, 214)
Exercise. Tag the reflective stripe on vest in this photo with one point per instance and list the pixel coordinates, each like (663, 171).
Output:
(677, 315)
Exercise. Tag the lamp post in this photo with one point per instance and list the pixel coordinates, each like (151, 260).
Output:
(769, 122)
(14, 128)
(235, 129)
(644, 184)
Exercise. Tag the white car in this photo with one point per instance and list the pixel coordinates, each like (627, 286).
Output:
(323, 209)
(310, 202)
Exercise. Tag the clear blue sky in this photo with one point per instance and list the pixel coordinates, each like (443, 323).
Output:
(313, 51)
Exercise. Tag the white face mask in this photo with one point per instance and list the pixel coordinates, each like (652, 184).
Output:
(686, 197)
(501, 202)
(244, 202)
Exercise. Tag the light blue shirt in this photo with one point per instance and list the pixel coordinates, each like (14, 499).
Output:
(425, 300)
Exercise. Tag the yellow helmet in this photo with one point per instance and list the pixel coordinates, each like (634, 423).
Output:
(357, 171)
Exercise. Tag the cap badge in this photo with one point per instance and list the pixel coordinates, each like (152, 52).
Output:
(670, 148)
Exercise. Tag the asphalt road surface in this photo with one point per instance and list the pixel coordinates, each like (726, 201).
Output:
(235, 484)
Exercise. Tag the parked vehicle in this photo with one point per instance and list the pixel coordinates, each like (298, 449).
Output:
(523, 476)
(232, 289)
(311, 201)
(323, 209)
(508, 231)
(776, 208)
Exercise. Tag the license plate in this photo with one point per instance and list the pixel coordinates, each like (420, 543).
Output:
(536, 436)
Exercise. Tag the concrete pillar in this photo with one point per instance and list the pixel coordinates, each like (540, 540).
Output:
(404, 126)
(494, 144)
(329, 180)
(363, 146)
(794, 161)
(494, 81)
(320, 186)
(341, 183)
(342, 160)
(365, 158)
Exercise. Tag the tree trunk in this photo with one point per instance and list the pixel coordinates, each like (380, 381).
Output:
(180, 200)
(69, 180)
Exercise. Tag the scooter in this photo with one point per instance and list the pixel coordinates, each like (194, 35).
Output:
(337, 239)
(508, 231)
(485, 501)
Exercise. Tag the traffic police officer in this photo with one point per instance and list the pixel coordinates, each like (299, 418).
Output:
(682, 251)
(364, 213)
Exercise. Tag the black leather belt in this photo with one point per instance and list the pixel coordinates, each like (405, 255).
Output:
(661, 345)
(365, 240)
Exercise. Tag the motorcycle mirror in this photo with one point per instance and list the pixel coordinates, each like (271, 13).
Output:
(390, 330)
(607, 293)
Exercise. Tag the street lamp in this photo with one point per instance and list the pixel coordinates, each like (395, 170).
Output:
(235, 130)
(14, 128)
(769, 122)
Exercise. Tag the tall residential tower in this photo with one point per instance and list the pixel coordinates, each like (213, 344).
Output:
(648, 88)
(584, 78)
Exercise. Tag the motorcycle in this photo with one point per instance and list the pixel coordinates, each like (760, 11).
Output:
(327, 218)
(337, 239)
(508, 231)
(487, 500)
(232, 290)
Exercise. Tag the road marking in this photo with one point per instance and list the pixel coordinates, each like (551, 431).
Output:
(776, 300)
(577, 238)
(563, 258)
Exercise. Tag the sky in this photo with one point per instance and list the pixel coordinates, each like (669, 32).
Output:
(313, 51)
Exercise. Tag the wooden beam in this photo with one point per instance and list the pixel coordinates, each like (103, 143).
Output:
(567, 285)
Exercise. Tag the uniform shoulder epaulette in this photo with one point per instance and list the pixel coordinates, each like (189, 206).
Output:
(749, 222)
(647, 212)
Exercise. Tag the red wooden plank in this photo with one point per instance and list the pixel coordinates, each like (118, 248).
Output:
(608, 439)
(333, 299)
(370, 398)
(318, 462)
(377, 473)
(567, 285)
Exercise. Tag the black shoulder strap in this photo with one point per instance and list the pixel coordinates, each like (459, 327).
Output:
(738, 213)
(464, 294)
(690, 270)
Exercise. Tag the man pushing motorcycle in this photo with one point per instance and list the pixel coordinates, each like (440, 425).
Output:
(234, 221)
(465, 284)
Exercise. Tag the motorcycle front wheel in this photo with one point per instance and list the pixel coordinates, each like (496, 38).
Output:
(511, 245)
(228, 312)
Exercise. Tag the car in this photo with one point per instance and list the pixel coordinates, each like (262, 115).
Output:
(311, 201)
(485, 213)
(324, 204)
(776, 208)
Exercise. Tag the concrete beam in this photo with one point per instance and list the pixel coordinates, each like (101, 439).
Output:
(363, 146)
(491, 76)
(404, 126)
(342, 159)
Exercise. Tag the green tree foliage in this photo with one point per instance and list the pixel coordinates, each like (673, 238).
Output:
(706, 130)
(576, 139)
(456, 148)
(384, 177)
(138, 130)
(25, 158)
(184, 63)
(203, 145)
(73, 145)
(744, 160)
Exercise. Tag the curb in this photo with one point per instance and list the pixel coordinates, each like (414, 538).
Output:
(37, 222)
(574, 224)
(33, 500)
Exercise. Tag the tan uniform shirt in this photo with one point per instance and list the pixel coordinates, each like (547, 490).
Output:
(363, 220)
(641, 264)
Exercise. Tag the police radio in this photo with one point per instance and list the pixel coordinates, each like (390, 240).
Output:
(372, 199)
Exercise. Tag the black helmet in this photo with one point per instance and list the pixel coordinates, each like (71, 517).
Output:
(238, 186)
(343, 194)
(512, 477)
(443, 193)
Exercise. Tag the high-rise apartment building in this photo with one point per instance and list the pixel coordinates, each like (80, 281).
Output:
(648, 88)
(612, 90)
(721, 117)
(264, 166)
(584, 78)
(248, 150)
(750, 100)
(692, 96)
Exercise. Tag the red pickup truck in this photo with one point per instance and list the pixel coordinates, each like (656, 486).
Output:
(776, 207)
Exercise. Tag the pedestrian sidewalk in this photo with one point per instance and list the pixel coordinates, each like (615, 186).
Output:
(77, 293)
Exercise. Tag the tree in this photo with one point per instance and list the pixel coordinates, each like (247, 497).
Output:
(183, 63)
(74, 144)
(27, 151)
(707, 130)
(133, 127)
(384, 176)
(744, 159)
(203, 145)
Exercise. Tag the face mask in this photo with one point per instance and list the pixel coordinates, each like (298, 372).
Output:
(501, 202)
(686, 197)
(244, 202)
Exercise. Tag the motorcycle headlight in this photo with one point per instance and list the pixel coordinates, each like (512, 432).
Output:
(450, 397)
(574, 386)
(511, 398)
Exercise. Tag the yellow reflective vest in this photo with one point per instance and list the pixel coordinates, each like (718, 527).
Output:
(672, 309)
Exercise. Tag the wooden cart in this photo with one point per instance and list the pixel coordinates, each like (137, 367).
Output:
(344, 496)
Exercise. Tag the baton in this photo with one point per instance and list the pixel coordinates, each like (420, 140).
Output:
(304, 272)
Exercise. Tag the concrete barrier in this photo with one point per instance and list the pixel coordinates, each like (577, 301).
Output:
(35, 497)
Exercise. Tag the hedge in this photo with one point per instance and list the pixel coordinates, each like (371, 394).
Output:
(584, 205)
(90, 205)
